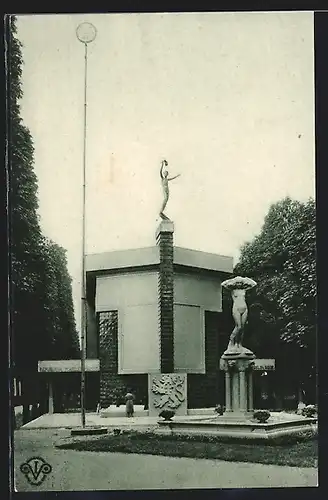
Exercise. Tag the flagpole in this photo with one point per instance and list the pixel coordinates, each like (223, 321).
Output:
(85, 33)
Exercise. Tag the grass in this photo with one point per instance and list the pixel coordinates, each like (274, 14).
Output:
(301, 451)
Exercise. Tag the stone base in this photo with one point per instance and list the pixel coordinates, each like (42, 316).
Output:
(238, 382)
(209, 412)
(165, 226)
(237, 430)
(120, 411)
(237, 416)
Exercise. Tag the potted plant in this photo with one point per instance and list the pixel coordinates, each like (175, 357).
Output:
(219, 409)
(167, 414)
(309, 411)
(261, 415)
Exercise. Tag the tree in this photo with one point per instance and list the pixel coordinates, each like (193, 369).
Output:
(59, 304)
(25, 234)
(282, 259)
(24, 229)
(42, 315)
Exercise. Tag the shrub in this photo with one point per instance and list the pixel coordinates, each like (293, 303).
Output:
(219, 409)
(296, 438)
(125, 432)
(309, 411)
(261, 415)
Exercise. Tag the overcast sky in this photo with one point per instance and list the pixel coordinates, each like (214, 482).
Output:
(226, 98)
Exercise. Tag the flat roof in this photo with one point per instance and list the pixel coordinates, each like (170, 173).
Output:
(120, 259)
(202, 260)
(149, 256)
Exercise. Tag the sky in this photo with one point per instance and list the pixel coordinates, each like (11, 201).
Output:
(226, 98)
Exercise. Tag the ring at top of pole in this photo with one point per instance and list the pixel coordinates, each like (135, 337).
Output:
(86, 32)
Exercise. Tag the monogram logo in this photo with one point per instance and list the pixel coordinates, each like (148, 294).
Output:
(35, 470)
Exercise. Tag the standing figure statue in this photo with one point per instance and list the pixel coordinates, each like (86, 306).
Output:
(238, 287)
(165, 185)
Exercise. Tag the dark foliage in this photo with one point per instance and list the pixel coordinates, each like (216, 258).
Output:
(282, 307)
(42, 316)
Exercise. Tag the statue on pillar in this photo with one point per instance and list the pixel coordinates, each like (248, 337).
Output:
(165, 185)
(238, 287)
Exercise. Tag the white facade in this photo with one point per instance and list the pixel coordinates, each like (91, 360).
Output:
(135, 296)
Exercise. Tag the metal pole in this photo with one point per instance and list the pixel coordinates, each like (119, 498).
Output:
(83, 284)
(86, 33)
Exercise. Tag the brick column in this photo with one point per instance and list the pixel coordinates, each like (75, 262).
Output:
(164, 239)
(108, 355)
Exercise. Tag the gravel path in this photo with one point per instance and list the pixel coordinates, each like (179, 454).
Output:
(75, 470)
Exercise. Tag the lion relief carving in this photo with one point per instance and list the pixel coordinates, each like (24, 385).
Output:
(169, 390)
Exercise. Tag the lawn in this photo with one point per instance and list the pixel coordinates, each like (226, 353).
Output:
(299, 452)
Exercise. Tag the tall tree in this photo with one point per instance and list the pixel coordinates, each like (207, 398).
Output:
(59, 302)
(24, 228)
(282, 259)
(42, 319)
(25, 232)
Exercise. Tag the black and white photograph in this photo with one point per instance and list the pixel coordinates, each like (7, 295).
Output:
(162, 248)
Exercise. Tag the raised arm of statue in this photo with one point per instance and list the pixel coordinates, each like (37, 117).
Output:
(171, 178)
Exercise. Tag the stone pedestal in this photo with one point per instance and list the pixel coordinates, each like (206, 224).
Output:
(164, 240)
(120, 411)
(238, 384)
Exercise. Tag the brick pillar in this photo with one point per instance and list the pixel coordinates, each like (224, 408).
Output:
(108, 355)
(164, 239)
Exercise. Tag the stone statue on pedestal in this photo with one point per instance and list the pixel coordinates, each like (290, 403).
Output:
(165, 185)
(238, 287)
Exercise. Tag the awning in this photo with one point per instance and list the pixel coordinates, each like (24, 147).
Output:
(68, 365)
